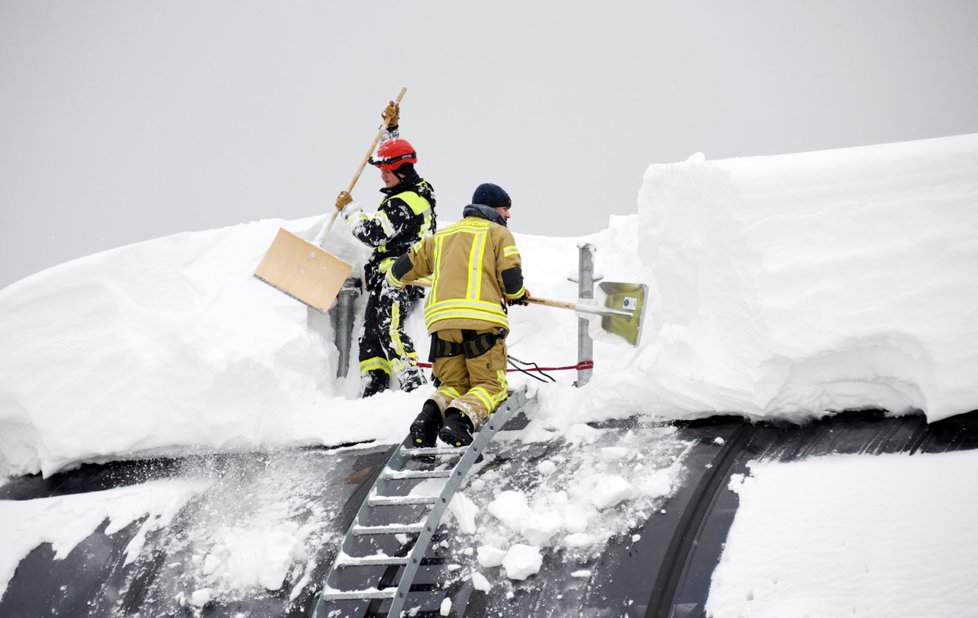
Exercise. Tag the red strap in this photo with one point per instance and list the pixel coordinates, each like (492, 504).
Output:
(588, 364)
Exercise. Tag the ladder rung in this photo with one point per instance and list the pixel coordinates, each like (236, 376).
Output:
(388, 529)
(423, 531)
(400, 500)
(436, 450)
(331, 594)
(415, 474)
(346, 560)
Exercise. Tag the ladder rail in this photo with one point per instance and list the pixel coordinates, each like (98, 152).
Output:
(482, 438)
(426, 530)
(330, 591)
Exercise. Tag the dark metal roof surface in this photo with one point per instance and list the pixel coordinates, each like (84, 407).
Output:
(664, 573)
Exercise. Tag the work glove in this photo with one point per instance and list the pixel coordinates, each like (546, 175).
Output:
(343, 200)
(392, 114)
(520, 300)
(390, 283)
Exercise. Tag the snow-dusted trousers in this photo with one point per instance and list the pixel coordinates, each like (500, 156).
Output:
(385, 347)
(474, 386)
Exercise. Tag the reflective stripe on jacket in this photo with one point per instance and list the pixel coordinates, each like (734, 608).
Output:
(466, 262)
(404, 217)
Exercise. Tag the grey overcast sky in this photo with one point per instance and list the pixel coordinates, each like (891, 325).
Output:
(125, 120)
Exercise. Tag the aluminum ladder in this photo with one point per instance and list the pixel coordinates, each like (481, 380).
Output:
(376, 527)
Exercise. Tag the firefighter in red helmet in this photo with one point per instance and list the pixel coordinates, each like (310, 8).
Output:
(406, 215)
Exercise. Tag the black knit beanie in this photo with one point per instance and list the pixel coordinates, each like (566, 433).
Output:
(491, 195)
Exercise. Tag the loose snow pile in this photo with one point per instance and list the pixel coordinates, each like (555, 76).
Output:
(598, 485)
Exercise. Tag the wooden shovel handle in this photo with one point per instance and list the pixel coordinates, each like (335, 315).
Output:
(582, 307)
(373, 144)
(363, 163)
(560, 304)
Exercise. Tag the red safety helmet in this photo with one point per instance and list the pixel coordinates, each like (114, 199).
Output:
(394, 153)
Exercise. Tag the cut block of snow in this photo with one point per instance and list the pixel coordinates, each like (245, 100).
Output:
(610, 491)
(522, 561)
(546, 467)
(446, 606)
(541, 526)
(660, 483)
(201, 597)
(511, 508)
(580, 539)
(489, 556)
(480, 583)
(464, 511)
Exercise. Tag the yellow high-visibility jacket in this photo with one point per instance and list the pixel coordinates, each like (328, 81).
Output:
(474, 264)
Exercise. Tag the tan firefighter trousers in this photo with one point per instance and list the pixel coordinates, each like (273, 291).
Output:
(474, 386)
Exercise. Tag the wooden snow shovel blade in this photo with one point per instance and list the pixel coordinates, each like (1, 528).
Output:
(302, 270)
(622, 313)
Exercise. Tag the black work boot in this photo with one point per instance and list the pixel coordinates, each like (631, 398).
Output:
(373, 382)
(425, 427)
(458, 429)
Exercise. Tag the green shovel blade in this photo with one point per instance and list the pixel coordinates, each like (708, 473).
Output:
(628, 297)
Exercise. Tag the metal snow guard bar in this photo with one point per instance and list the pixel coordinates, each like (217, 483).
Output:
(513, 404)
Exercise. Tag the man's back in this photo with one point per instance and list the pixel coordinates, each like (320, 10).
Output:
(474, 266)
(466, 260)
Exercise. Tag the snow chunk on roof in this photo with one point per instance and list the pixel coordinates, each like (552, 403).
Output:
(522, 561)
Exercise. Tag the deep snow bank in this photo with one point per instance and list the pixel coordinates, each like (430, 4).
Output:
(782, 286)
(794, 285)
(161, 345)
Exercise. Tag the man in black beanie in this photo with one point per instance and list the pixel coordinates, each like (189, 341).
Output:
(477, 272)
(491, 195)
(405, 216)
